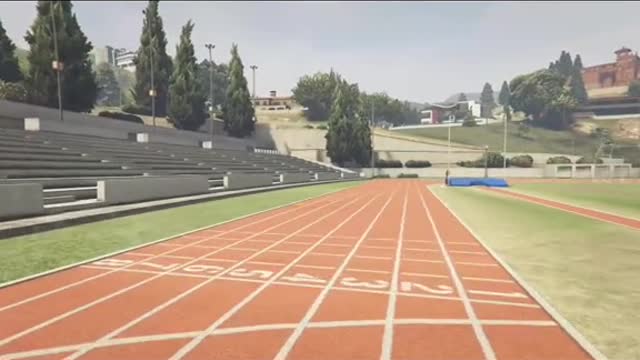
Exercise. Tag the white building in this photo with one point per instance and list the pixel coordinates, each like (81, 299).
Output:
(124, 59)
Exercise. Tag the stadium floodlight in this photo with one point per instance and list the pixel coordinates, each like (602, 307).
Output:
(210, 47)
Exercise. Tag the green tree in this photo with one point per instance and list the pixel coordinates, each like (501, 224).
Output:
(349, 135)
(462, 97)
(487, 102)
(9, 68)
(220, 81)
(634, 88)
(505, 94)
(108, 88)
(577, 62)
(186, 104)
(564, 65)
(153, 45)
(543, 97)
(79, 88)
(315, 92)
(238, 112)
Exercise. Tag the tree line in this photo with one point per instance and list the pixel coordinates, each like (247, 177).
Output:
(181, 85)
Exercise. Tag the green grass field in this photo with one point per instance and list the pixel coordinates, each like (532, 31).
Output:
(621, 199)
(535, 141)
(31, 254)
(588, 270)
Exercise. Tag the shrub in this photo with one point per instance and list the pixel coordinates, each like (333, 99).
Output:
(137, 109)
(559, 160)
(322, 127)
(307, 126)
(388, 163)
(589, 160)
(13, 91)
(417, 164)
(121, 116)
(495, 160)
(382, 176)
(407, 176)
(523, 161)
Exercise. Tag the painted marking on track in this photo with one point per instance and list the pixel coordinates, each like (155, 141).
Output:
(423, 250)
(476, 264)
(408, 286)
(518, 295)
(487, 279)
(326, 254)
(378, 247)
(113, 262)
(208, 269)
(284, 252)
(424, 260)
(265, 263)
(244, 273)
(372, 257)
(353, 282)
(305, 278)
(425, 275)
(467, 252)
(319, 267)
(369, 271)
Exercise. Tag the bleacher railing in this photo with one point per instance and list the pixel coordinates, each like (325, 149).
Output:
(266, 151)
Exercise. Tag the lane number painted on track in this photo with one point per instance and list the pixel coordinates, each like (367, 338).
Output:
(353, 282)
(407, 286)
(207, 269)
(113, 262)
(304, 278)
(244, 273)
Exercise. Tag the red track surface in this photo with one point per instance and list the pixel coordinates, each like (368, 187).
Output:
(377, 272)
(590, 213)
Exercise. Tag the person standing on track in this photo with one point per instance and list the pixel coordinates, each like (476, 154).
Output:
(446, 177)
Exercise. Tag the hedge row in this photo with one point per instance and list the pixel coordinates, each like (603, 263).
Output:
(121, 116)
(407, 176)
(398, 164)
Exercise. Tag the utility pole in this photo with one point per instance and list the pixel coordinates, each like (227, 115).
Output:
(152, 90)
(57, 65)
(210, 47)
(504, 147)
(486, 161)
(253, 69)
(372, 137)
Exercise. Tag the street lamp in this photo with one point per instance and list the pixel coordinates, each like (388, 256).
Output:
(152, 91)
(210, 47)
(253, 68)
(57, 65)
(486, 161)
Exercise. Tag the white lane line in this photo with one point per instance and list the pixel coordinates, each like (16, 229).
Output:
(477, 264)
(373, 257)
(387, 337)
(284, 252)
(378, 247)
(184, 350)
(368, 271)
(425, 275)
(487, 279)
(319, 267)
(475, 323)
(173, 300)
(338, 245)
(268, 327)
(424, 261)
(422, 250)
(467, 252)
(288, 345)
(293, 208)
(517, 295)
(327, 254)
(461, 243)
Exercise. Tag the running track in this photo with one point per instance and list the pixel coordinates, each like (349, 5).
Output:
(379, 271)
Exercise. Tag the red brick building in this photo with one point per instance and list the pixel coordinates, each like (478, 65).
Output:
(616, 74)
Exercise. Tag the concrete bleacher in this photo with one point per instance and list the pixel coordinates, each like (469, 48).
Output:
(68, 167)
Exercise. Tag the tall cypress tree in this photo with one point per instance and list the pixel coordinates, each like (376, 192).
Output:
(337, 144)
(153, 45)
(577, 63)
(577, 83)
(79, 86)
(505, 94)
(487, 102)
(238, 112)
(186, 104)
(9, 68)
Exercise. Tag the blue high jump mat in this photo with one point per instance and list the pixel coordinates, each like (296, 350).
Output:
(490, 182)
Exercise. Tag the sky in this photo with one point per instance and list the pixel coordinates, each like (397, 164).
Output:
(416, 51)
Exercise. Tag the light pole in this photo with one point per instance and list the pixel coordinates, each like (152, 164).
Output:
(253, 68)
(152, 90)
(210, 47)
(57, 65)
(504, 147)
(486, 161)
(372, 136)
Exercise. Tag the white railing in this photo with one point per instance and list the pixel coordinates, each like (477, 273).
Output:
(266, 151)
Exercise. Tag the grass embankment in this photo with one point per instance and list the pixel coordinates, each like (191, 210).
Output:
(26, 255)
(537, 140)
(622, 199)
(587, 269)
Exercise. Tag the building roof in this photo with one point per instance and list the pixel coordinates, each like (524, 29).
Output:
(623, 49)
(273, 98)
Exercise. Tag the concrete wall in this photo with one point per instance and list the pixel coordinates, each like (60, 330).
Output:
(244, 181)
(13, 114)
(327, 176)
(119, 191)
(294, 178)
(587, 171)
(20, 200)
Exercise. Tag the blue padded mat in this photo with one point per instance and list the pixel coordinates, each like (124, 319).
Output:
(491, 182)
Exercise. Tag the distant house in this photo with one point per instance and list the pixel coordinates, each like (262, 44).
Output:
(439, 113)
(273, 102)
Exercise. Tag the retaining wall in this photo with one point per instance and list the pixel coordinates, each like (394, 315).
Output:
(244, 181)
(323, 176)
(18, 200)
(294, 178)
(120, 191)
